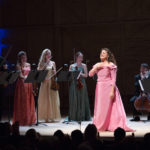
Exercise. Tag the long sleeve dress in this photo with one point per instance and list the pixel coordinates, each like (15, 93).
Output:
(108, 114)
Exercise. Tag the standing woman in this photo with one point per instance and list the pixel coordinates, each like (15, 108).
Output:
(48, 101)
(109, 111)
(24, 108)
(78, 96)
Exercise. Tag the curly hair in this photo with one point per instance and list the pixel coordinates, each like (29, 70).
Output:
(111, 57)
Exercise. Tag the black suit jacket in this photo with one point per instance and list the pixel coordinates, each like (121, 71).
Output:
(137, 87)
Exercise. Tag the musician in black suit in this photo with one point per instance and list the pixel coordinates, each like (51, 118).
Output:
(144, 73)
(3, 67)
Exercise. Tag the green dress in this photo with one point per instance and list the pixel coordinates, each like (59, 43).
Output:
(78, 100)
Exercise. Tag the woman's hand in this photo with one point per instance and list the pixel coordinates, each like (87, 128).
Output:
(112, 95)
(92, 72)
(25, 77)
(85, 73)
(95, 69)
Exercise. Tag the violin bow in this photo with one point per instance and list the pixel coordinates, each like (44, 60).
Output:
(56, 72)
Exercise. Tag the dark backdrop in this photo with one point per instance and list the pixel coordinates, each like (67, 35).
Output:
(86, 25)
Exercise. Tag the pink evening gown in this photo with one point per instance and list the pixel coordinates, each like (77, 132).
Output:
(108, 114)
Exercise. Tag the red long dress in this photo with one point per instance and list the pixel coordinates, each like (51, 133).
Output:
(24, 107)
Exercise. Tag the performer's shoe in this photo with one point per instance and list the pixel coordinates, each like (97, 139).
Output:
(136, 118)
(148, 118)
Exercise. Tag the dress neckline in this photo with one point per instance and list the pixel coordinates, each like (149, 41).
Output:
(75, 65)
(109, 66)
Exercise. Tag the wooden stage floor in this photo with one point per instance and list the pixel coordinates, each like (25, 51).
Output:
(47, 129)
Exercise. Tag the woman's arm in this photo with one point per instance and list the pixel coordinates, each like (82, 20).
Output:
(70, 68)
(113, 82)
(18, 68)
(95, 68)
(54, 67)
(85, 74)
(40, 67)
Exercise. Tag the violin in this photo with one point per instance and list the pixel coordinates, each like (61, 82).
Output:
(54, 83)
(79, 83)
(142, 103)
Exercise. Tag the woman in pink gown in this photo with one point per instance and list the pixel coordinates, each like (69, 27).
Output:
(109, 111)
(24, 108)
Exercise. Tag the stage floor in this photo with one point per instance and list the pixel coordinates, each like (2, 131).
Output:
(47, 129)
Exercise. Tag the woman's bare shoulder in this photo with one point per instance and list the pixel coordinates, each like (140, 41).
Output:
(84, 65)
(73, 65)
(98, 64)
(52, 62)
(112, 64)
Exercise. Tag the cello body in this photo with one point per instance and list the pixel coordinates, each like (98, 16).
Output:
(142, 103)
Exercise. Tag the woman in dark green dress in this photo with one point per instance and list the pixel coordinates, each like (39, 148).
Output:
(78, 96)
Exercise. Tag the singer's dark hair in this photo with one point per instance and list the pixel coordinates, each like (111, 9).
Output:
(111, 57)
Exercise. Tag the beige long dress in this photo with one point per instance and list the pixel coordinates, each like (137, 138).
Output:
(48, 101)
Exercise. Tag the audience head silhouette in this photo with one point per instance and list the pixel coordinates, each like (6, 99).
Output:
(90, 132)
(77, 136)
(59, 134)
(119, 134)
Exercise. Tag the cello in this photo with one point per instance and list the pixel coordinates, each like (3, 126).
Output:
(142, 103)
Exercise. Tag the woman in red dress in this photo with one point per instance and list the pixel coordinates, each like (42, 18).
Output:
(24, 108)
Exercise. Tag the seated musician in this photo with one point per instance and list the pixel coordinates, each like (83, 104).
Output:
(144, 73)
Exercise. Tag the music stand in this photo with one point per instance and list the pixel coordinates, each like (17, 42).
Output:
(67, 76)
(36, 76)
(7, 78)
(145, 85)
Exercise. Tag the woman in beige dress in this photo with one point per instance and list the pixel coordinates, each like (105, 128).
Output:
(48, 100)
